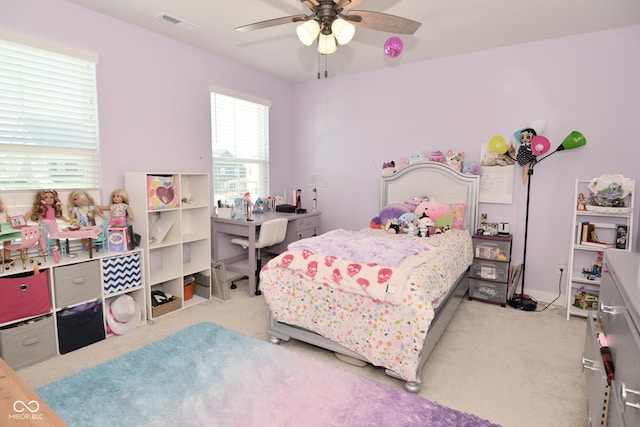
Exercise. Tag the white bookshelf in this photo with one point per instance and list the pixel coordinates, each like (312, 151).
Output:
(176, 236)
(582, 257)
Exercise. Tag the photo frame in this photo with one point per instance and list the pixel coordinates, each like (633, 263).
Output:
(18, 221)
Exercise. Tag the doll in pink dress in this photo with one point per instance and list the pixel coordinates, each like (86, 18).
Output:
(46, 205)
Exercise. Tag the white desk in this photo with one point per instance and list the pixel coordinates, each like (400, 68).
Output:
(300, 226)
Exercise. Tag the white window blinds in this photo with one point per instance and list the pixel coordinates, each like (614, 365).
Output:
(240, 146)
(48, 120)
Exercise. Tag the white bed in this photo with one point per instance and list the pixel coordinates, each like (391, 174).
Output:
(398, 336)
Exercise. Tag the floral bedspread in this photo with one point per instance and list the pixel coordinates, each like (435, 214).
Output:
(387, 333)
(374, 264)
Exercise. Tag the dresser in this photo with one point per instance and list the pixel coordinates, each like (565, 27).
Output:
(613, 339)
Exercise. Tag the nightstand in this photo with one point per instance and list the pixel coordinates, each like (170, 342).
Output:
(490, 271)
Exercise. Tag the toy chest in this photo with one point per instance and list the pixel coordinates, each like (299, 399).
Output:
(76, 283)
(24, 295)
(79, 327)
(25, 343)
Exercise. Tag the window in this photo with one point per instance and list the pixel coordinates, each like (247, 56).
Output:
(48, 120)
(240, 147)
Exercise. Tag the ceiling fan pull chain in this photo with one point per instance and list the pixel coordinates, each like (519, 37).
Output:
(326, 73)
(318, 65)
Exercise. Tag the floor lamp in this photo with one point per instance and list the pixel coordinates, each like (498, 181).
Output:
(539, 145)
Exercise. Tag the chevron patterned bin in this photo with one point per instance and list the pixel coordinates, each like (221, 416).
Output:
(121, 273)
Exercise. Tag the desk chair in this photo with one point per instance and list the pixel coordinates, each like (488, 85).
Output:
(30, 238)
(272, 232)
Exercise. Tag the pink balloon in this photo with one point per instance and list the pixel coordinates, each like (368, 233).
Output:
(393, 47)
(540, 145)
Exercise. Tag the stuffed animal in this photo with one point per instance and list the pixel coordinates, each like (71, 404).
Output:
(417, 156)
(439, 212)
(388, 213)
(401, 162)
(426, 226)
(473, 168)
(437, 156)
(455, 159)
(395, 227)
(414, 201)
(388, 168)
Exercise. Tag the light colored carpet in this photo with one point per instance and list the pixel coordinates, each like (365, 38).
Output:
(207, 375)
(510, 367)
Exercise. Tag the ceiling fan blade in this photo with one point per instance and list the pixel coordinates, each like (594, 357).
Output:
(273, 22)
(382, 22)
(348, 4)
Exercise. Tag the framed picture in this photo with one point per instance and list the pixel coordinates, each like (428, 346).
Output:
(18, 221)
(621, 236)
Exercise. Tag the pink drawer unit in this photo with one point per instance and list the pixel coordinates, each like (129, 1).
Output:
(24, 295)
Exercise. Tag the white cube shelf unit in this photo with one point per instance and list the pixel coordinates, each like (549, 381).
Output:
(172, 212)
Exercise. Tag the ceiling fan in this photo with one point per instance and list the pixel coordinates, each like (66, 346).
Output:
(335, 20)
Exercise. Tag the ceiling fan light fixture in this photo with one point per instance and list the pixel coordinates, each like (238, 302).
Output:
(308, 31)
(327, 44)
(343, 30)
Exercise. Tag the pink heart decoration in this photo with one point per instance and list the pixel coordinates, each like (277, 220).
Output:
(164, 194)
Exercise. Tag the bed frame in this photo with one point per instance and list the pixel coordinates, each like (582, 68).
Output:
(439, 182)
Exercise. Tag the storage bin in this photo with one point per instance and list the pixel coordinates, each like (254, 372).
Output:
(490, 271)
(25, 343)
(166, 308)
(496, 248)
(79, 327)
(24, 295)
(76, 283)
(121, 273)
(488, 291)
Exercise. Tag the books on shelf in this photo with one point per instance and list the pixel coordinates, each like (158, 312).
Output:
(587, 236)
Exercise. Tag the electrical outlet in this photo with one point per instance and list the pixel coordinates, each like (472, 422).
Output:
(561, 267)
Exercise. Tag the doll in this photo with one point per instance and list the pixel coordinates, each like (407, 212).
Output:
(120, 209)
(4, 215)
(525, 156)
(83, 209)
(46, 205)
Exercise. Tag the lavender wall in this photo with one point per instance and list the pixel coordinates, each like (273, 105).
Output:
(153, 92)
(154, 115)
(587, 83)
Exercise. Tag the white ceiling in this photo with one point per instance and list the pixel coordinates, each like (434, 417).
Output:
(449, 27)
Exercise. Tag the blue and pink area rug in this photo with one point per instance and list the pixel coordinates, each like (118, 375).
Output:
(207, 375)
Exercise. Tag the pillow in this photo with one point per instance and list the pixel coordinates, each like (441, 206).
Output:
(459, 210)
(439, 212)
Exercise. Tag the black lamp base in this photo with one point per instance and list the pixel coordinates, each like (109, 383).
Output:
(524, 304)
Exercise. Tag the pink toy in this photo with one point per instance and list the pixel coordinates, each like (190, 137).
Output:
(437, 156)
(439, 212)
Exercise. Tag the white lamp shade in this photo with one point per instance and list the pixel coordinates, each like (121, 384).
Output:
(308, 31)
(343, 30)
(327, 44)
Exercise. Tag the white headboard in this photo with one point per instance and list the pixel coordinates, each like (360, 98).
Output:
(437, 181)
